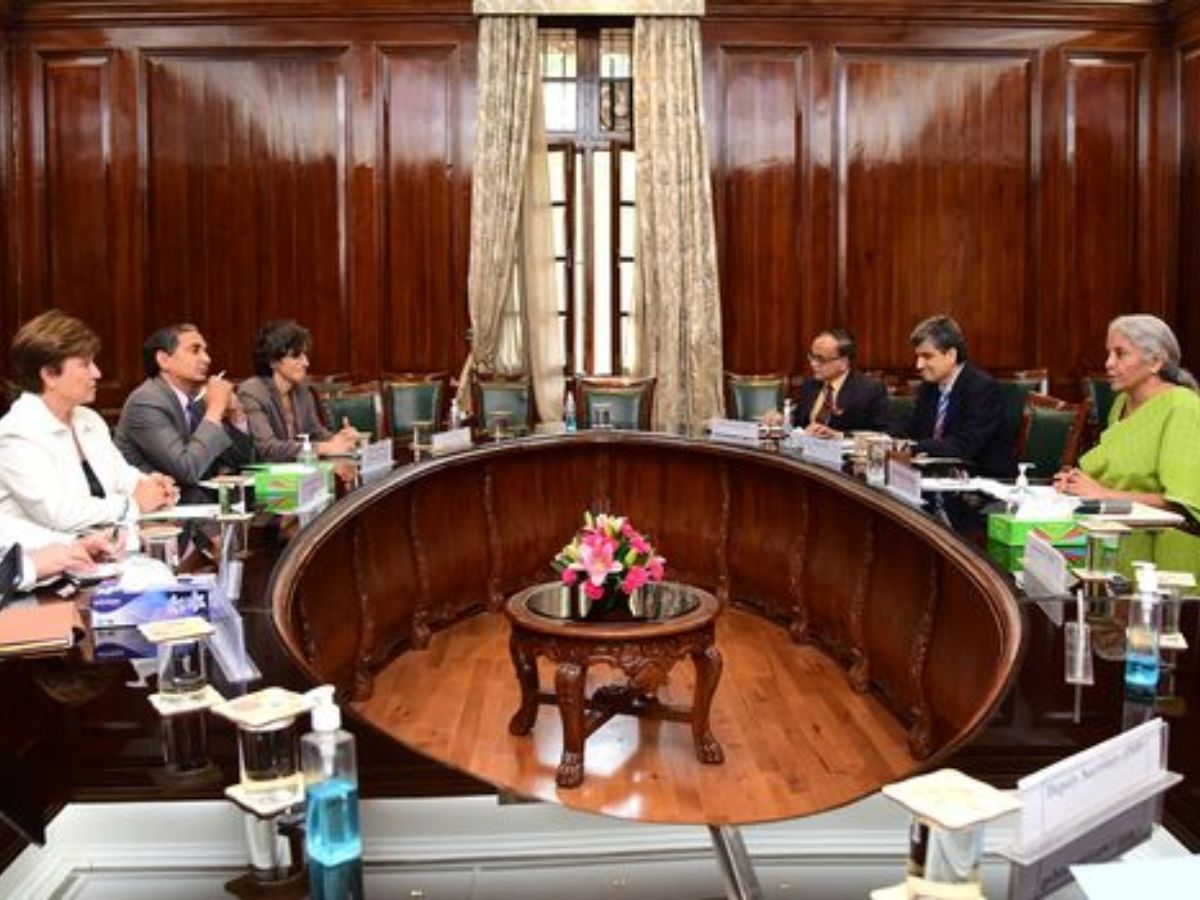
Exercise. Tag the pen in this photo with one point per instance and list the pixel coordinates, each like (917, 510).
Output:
(200, 396)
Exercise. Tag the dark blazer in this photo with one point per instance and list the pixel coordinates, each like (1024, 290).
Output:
(861, 404)
(977, 428)
(264, 410)
(153, 435)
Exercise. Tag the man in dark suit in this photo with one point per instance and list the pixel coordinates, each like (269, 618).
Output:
(837, 398)
(179, 420)
(959, 410)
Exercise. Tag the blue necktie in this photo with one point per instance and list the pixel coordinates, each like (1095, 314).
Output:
(939, 424)
(195, 415)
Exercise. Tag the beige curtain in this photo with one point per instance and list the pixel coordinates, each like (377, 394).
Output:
(678, 297)
(542, 327)
(508, 71)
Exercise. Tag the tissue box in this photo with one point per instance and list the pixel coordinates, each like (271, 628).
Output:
(1004, 528)
(126, 642)
(285, 487)
(189, 596)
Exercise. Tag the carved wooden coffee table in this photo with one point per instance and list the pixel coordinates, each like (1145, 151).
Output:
(670, 621)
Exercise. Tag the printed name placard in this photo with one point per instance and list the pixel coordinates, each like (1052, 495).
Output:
(1046, 569)
(450, 441)
(375, 457)
(904, 479)
(733, 430)
(1082, 787)
(310, 489)
(823, 451)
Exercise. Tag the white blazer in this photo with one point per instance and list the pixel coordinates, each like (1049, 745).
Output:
(41, 476)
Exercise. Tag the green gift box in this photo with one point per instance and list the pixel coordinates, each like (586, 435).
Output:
(1004, 528)
(277, 486)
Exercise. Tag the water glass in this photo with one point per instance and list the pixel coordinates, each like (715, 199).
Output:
(161, 542)
(182, 671)
(602, 416)
(877, 452)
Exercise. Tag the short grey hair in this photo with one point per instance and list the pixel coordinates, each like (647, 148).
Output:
(1155, 339)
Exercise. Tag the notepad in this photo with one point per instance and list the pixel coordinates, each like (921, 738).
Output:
(38, 627)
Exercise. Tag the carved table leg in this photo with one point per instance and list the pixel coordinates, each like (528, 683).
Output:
(708, 664)
(568, 684)
(527, 676)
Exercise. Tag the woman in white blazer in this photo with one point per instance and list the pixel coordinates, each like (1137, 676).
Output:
(58, 464)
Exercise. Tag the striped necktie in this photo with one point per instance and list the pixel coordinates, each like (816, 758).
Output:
(195, 415)
(939, 424)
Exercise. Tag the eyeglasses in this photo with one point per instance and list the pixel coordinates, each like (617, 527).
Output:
(815, 360)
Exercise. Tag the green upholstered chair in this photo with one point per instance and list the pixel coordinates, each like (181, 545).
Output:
(502, 394)
(1098, 390)
(1051, 430)
(359, 404)
(630, 401)
(1017, 384)
(747, 397)
(415, 397)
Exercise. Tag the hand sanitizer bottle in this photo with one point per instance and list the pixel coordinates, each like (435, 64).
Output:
(455, 414)
(788, 412)
(307, 456)
(333, 842)
(1141, 635)
(569, 413)
(1020, 492)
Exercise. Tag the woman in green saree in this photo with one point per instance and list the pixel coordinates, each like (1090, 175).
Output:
(1150, 452)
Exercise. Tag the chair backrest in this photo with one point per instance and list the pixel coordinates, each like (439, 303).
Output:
(1098, 389)
(496, 394)
(360, 404)
(1051, 430)
(414, 397)
(1018, 384)
(747, 397)
(900, 408)
(630, 401)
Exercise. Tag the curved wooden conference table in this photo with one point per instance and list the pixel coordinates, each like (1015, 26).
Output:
(881, 628)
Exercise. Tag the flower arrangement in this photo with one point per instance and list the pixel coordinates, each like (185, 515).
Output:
(608, 555)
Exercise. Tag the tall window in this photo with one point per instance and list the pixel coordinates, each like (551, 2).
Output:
(587, 81)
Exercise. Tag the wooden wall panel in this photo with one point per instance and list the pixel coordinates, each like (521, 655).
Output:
(1189, 199)
(245, 172)
(762, 146)
(1104, 187)
(424, 321)
(935, 199)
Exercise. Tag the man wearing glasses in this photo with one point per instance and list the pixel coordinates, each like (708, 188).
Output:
(837, 398)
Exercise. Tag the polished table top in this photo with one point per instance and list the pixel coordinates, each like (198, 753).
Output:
(78, 731)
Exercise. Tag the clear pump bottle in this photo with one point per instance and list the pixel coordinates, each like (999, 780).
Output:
(307, 455)
(333, 841)
(1141, 635)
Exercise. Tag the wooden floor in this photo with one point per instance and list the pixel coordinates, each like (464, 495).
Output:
(797, 740)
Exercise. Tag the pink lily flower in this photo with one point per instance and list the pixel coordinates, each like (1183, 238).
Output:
(596, 559)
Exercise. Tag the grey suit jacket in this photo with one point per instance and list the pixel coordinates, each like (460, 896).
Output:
(264, 410)
(153, 435)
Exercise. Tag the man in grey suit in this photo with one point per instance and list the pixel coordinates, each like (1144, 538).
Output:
(179, 420)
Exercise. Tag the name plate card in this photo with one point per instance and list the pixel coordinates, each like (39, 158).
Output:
(310, 489)
(733, 430)
(903, 478)
(375, 457)
(450, 441)
(1067, 797)
(1046, 569)
(823, 451)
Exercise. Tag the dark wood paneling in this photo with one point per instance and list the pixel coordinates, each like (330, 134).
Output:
(764, 203)
(246, 220)
(934, 199)
(1189, 198)
(424, 319)
(1104, 186)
